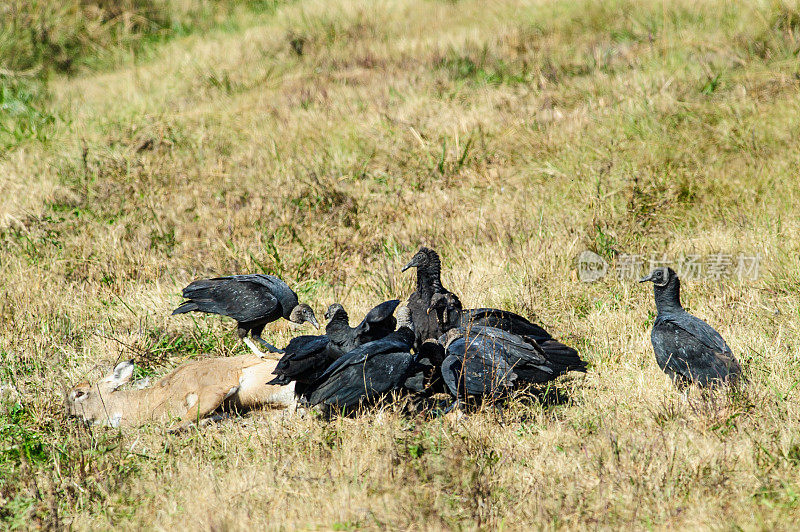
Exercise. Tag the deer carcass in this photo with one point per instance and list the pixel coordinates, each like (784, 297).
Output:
(187, 394)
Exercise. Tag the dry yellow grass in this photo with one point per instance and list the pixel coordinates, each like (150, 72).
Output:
(509, 135)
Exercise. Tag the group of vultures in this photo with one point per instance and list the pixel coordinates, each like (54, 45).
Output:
(434, 346)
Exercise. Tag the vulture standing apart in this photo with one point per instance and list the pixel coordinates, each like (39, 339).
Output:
(688, 349)
(252, 300)
(369, 371)
(429, 282)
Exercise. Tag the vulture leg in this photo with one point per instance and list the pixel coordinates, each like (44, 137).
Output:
(243, 332)
(256, 334)
(271, 348)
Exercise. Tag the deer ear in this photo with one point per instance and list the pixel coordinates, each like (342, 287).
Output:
(122, 373)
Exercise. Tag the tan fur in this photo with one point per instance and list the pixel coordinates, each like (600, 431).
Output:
(189, 393)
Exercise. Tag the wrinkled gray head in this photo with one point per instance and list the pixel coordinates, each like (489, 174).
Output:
(404, 318)
(424, 257)
(660, 276)
(303, 313)
(336, 311)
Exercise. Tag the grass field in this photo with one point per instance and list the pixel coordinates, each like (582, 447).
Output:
(145, 143)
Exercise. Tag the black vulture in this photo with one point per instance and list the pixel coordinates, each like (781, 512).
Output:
(513, 323)
(369, 371)
(533, 360)
(429, 282)
(688, 349)
(503, 319)
(426, 379)
(306, 358)
(524, 355)
(446, 309)
(378, 322)
(252, 300)
(475, 366)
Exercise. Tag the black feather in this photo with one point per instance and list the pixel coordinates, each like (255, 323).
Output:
(366, 372)
(535, 358)
(477, 366)
(251, 300)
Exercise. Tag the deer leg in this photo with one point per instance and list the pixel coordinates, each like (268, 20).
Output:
(243, 332)
(183, 427)
(202, 403)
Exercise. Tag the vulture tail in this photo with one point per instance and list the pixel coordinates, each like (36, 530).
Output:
(564, 356)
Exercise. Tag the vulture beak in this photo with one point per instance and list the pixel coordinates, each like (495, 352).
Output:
(313, 321)
(412, 264)
(648, 277)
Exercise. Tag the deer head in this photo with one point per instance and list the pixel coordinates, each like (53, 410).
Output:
(96, 403)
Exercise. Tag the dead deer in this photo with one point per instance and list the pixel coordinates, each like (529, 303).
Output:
(187, 394)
